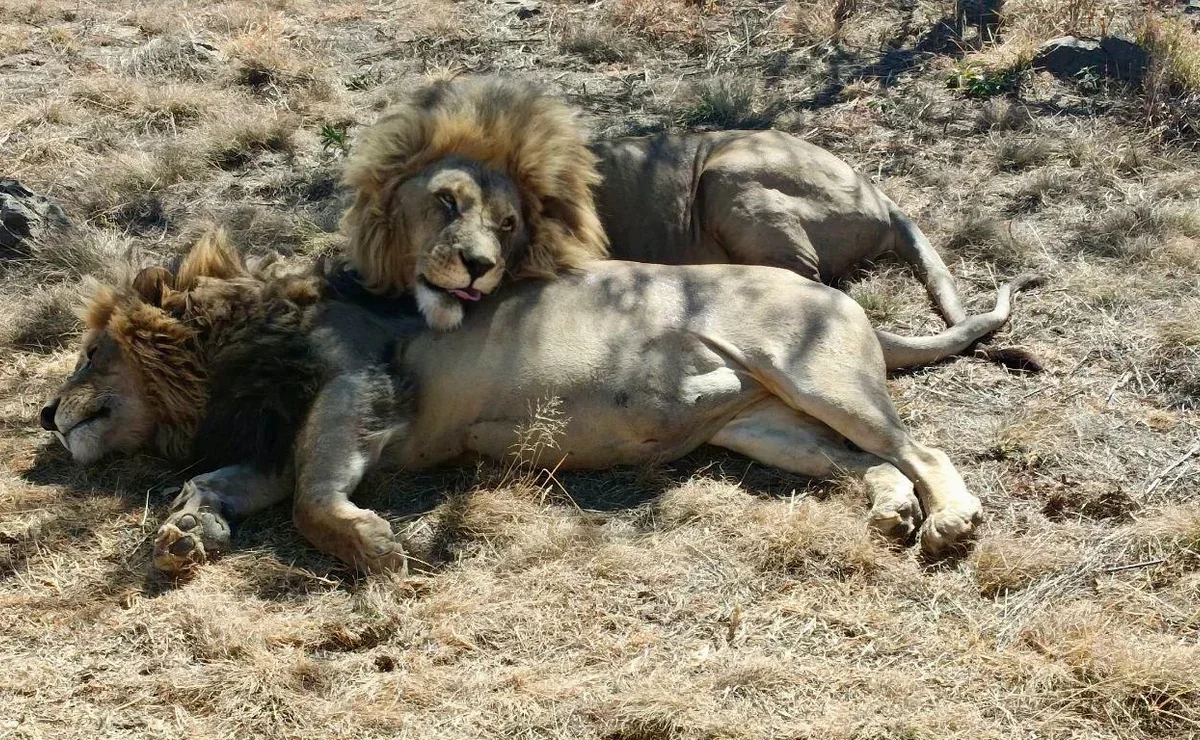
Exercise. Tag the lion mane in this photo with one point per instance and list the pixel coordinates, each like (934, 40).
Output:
(502, 124)
(218, 351)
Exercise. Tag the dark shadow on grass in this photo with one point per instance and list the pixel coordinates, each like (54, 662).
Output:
(91, 496)
(846, 66)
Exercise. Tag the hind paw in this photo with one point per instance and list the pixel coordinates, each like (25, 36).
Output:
(948, 529)
(189, 539)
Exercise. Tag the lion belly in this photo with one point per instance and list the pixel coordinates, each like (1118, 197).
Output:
(636, 356)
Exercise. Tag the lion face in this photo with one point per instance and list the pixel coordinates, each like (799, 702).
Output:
(464, 226)
(464, 182)
(100, 409)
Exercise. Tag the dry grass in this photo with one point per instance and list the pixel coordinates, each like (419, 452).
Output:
(815, 22)
(725, 103)
(711, 598)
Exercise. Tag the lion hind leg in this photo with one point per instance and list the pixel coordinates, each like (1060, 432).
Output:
(777, 435)
(754, 225)
(855, 403)
(337, 447)
(197, 528)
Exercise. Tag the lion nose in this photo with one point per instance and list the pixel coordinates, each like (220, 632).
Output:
(46, 417)
(477, 266)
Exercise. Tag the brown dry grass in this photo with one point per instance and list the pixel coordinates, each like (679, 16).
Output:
(708, 599)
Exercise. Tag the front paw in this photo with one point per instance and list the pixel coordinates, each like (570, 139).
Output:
(896, 517)
(188, 539)
(375, 549)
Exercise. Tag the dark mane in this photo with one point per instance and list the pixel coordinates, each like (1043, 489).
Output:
(264, 372)
(263, 376)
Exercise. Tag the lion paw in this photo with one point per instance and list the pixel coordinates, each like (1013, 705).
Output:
(189, 539)
(377, 550)
(948, 529)
(392, 561)
(896, 518)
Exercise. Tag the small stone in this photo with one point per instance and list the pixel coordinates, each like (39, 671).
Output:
(528, 10)
(25, 216)
(1112, 57)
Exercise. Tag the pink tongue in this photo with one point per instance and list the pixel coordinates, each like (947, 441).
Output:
(467, 294)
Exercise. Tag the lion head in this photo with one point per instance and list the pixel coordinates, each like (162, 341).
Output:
(467, 181)
(158, 352)
(136, 379)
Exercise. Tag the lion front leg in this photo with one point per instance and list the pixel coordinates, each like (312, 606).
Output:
(351, 422)
(197, 527)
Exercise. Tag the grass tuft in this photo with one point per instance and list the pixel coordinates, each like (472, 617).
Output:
(599, 45)
(725, 104)
(177, 56)
(236, 141)
(1005, 563)
(1015, 153)
(986, 237)
(1002, 114)
(47, 322)
(1176, 356)
(819, 22)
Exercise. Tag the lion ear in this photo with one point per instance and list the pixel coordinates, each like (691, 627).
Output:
(151, 283)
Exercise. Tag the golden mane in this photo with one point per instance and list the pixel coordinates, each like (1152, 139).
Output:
(501, 123)
(164, 354)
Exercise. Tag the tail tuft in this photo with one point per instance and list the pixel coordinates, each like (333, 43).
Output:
(1017, 359)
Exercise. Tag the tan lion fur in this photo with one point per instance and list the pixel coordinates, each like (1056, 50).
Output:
(504, 125)
(302, 399)
(763, 197)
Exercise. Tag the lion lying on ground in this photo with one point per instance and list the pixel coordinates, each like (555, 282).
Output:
(418, 223)
(279, 388)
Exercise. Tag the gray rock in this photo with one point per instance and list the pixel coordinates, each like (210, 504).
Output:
(25, 215)
(525, 9)
(1112, 57)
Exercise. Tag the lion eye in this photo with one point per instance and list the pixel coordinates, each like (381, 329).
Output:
(508, 224)
(448, 202)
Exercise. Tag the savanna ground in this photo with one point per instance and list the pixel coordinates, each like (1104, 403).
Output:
(708, 599)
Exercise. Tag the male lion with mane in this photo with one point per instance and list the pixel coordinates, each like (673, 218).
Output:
(295, 386)
(435, 176)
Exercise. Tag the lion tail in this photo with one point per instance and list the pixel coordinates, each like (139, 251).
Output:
(912, 246)
(901, 352)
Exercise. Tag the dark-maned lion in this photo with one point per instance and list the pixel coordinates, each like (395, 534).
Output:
(277, 388)
(419, 224)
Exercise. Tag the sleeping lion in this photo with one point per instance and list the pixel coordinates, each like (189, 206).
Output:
(281, 386)
(765, 198)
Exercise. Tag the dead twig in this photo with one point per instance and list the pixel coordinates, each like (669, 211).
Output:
(1132, 566)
